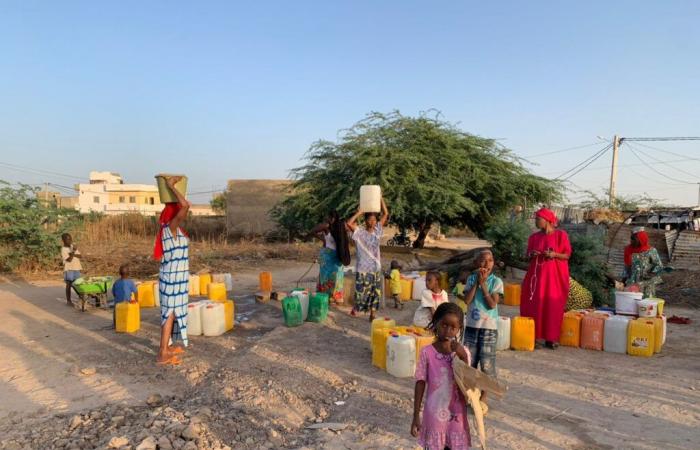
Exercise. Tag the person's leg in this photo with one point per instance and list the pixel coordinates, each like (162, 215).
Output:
(69, 288)
(165, 331)
(471, 340)
(488, 355)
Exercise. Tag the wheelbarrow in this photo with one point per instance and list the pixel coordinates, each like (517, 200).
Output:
(93, 291)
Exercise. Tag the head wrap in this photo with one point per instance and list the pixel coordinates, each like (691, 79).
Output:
(636, 230)
(168, 214)
(548, 215)
(643, 246)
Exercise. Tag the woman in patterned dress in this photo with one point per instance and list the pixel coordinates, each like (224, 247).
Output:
(643, 265)
(368, 270)
(172, 250)
(335, 254)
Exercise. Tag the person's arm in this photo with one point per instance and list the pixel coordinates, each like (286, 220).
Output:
(319, 230)
(385, 213)
(656, 265)
(490, 298)
(470, 291)
(66, 255)
(182, 201)
(461, 351)
(418, 393)
(352, 222)
(564, 249)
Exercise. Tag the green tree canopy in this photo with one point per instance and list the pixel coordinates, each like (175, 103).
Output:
(218, 203)
(429, 170)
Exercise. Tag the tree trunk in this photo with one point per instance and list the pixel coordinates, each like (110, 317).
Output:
(423, 230)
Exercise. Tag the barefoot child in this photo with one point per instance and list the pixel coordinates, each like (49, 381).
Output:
(431, 298)
(444, 423)
(483, 291)
(71, 263)
(123, 289)
(395, 283)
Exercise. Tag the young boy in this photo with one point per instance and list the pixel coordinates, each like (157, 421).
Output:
(395, 283)
(482, 294)
(122, 290)
(71, 264)
(458, 291)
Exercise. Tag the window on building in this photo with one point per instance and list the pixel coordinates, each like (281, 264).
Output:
(96, 199)
(121, 199)
(152, 201)
(132, 199)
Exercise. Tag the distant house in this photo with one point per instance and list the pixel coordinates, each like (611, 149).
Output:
(248, 205)
(108, 194)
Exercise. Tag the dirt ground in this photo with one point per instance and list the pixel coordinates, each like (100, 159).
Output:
(68, 381)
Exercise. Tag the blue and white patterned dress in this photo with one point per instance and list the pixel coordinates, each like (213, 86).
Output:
(173, 282)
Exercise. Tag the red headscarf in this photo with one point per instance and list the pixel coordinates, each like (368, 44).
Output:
(168, 213)
(548, 215)
(630, 250)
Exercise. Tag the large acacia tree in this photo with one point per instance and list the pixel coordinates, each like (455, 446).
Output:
(430, 172)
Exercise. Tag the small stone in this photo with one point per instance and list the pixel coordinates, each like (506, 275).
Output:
(190, 446)
(249, 441)
(191, 432)
(273, 434)
(178, 443)
(154, 400)
(75, 422)
(164, 443)
(147, 444)
(88, 371)
(118, 421)
(206, 412)
(117, 442)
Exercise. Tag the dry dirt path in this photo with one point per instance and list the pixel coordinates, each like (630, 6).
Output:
(262, 384)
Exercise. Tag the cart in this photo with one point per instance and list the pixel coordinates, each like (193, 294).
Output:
(93, 291)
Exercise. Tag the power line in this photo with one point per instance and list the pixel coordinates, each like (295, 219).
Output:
(627, 165)
(694, 175)
(687, 138)
(667, 151)
(37, 171)
(568, 149)
(653, 169)
(587, 162)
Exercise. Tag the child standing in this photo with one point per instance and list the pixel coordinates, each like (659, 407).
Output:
(71, 264)
(122, 289)
(395, 283)
(431, 298)
(458, 291)
(444, 423)
(483, 291)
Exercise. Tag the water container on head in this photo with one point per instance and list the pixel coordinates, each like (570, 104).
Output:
(370, 198)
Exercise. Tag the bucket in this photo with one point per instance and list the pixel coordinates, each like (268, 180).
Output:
(370, 198)
(626, 302)
(647, 307)
(166, 195)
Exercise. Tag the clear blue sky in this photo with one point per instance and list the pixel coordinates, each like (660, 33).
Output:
(221, 90)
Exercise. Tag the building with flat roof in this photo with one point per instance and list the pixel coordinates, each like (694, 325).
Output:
(107, 193)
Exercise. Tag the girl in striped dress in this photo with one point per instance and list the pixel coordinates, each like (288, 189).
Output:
(172, 250)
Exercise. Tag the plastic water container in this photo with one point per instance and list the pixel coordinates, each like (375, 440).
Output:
(216, 291)
(522, 334)
(303, 297)
(659, 306)
(224, 278)
(194, 318)
(265, 281)
(640, 338)
(156, 294)
(128, 317)
(194, 285)
(423, 339)
(511, 295)
(658, 332)
(349, 288)
(401, 356)
(291, 310)
(229, 313)
(213, 320)
(615, 334)
(647, 307)
(570, 335)
(318, 307)
(593, 331)
(166, 195)
(418, 288)
(663, 333)
(503, 341)
(406, 289)
(381, 322)
(370, 198)
(445, 281)
(204, 280)
(379, 337)
(145, 295)
(626, 302)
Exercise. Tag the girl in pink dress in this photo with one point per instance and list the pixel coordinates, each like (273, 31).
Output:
(546, 285)
(444, 423)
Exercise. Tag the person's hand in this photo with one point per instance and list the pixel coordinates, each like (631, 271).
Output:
(482, 275)
(534, 254)
(549, 254)
(415, 427)
(458, 348)
(171, 181)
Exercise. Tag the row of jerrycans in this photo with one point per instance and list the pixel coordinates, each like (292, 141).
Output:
(200, 285)
(397, 348)
(616, 334)
(299, 307)
(208, 318)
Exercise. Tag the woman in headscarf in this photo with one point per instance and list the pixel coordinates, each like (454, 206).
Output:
(368, 270)
(546, 285)
(642, 263)
(335, 254)
(172, 250)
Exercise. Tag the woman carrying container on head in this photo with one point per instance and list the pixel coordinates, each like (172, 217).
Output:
(643, 264)
(335, 254)
(546, 284)
(172, 250)
(368, 270)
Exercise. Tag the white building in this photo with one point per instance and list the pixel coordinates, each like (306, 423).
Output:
(108, 194)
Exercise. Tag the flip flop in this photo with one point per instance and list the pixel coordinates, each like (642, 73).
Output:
(172, 361)
(176, 350)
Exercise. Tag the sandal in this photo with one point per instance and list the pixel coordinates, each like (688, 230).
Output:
(176, 350)
(172, 361)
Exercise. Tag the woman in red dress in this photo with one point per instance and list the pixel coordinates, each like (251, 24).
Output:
(546, 285)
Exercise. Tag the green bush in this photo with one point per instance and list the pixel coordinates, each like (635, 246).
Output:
(508, 238)
(30, 231)
(587, 265)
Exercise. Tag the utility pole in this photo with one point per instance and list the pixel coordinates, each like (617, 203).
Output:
(613, 171)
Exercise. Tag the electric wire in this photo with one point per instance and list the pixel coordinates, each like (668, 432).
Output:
(568, 149)
(663, 162)
(687, 158)
(584, 164)
(654, 169)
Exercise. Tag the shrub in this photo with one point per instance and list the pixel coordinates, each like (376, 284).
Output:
(508, 238)
(587, 265)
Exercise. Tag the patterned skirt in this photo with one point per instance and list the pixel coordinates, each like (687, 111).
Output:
(174, 296)
(368, 290)
(331, 276)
